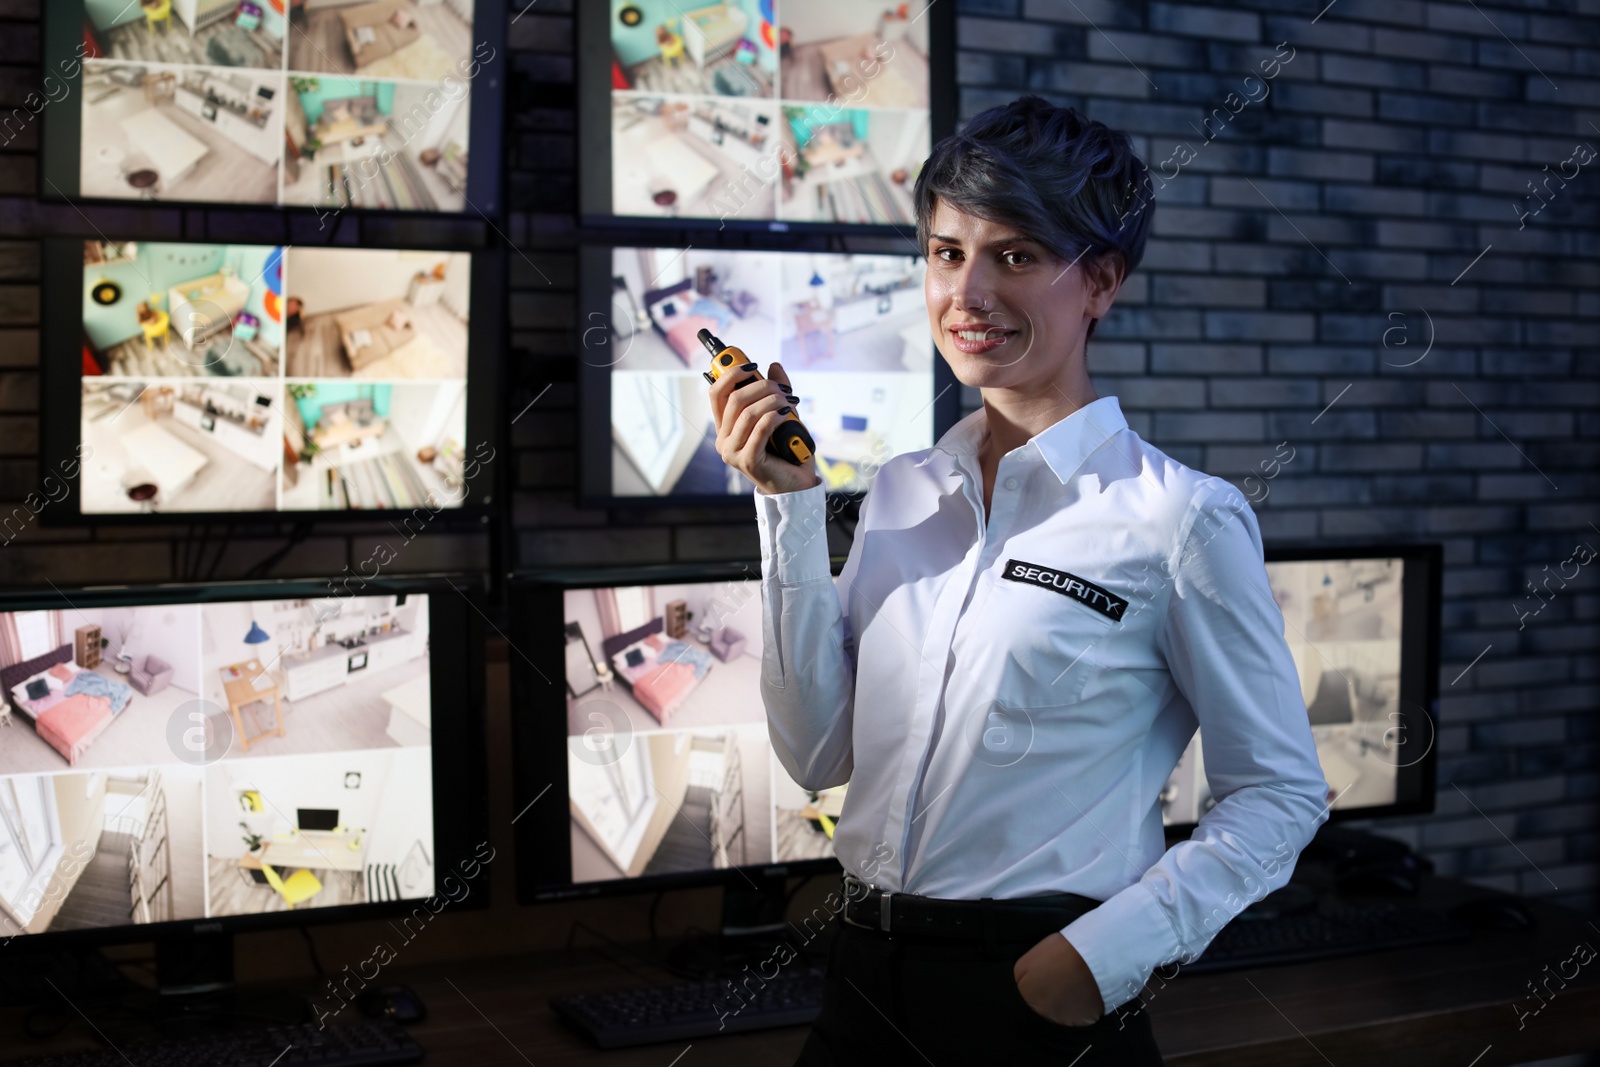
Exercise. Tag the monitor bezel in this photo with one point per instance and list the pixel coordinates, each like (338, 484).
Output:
(461, 801)
(539, 739)
(595, 488)
(61, 400)
(61, 131)
(594, 133)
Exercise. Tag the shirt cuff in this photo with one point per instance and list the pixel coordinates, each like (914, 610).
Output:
(1122, 941)
(794, 534)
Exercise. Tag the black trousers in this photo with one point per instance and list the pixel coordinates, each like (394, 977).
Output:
(916, 1001)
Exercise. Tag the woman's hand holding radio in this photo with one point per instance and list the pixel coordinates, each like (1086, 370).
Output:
(745, 419)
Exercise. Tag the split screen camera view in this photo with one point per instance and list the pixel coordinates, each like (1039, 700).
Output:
(186, 761)
(670, 768)
(322, 103)
(231, 378)
(813, 111)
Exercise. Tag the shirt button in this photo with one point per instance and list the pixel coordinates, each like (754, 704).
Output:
(1011, 483)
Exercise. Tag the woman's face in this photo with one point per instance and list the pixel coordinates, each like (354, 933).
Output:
(1005, 312)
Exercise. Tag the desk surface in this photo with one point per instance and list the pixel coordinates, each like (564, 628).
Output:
(1450, 1006)
(323, 850)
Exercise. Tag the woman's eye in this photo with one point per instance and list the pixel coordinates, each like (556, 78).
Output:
(1021, 255)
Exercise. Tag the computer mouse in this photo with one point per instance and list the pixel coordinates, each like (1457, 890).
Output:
(1499, 912)
(395, 1002)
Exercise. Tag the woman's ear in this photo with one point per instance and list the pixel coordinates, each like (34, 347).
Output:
(1102, 281)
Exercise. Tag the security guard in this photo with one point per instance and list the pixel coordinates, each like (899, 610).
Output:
(1035, 616)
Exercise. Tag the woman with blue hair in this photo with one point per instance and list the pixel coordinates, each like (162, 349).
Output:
(1035, 616)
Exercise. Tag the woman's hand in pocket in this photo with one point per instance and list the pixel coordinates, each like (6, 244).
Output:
(1055, 981)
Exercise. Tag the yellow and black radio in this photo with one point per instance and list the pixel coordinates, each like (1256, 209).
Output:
(790, 440)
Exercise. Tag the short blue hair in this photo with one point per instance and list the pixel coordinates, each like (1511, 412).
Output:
(1072, 183)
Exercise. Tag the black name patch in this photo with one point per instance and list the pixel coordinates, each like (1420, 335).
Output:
(1085, 592)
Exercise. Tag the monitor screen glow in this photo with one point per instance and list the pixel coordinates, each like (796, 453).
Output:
(372, 106)
(224, 378)
(213, 760)
(1342, 623)
(850, 329)
(760, 114)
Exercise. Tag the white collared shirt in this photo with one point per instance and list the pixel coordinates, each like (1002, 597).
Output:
(1005, 724)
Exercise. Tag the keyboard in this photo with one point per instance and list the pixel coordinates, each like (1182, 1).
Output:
(695, 1009)
(344, 1045)
(1319, 935)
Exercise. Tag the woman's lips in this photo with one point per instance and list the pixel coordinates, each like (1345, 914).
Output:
(996, 338)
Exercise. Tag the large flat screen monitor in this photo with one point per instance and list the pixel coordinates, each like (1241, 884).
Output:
(763, 114)
(185, 759)
(643, 760)
(392, 106)
(851, 330)
(226, 379)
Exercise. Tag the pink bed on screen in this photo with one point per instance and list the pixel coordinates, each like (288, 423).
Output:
(663, 687)
(38, 707)
(71, 726)
(685, 340)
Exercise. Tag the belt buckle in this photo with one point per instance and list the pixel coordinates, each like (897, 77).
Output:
(850, 881)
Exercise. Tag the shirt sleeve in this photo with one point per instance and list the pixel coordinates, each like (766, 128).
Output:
(808, 653)
(1222, 639)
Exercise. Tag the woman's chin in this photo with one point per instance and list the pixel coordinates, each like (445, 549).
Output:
(984, 372)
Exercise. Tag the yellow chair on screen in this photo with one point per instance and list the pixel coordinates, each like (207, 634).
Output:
(155, 329)
(298, 888)
(671, 45)
(837, 474)
(156, 11)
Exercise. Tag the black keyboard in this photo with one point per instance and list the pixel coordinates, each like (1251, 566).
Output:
(695, 1009)
(1318, 935)
(342, 1045)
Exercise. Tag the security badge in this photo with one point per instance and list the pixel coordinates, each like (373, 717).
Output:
(1104, 601)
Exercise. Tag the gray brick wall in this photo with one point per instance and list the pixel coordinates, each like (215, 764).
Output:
(1356, 199)
(1365, 201)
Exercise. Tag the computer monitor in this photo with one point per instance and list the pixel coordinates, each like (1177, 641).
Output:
(317, 107)
(762, 116)
(851, 330)
(637, 699)
(207, 755)
(215, 379)
(642, 755)
(1362, 623)
(317, 818)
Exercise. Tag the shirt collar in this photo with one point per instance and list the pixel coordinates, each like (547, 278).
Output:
(1064, 444)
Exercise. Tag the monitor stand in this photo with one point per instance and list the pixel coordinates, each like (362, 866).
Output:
(194, 965)
(195, 980)
(753, 925)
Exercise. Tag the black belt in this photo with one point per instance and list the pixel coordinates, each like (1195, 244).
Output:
(1004, 919)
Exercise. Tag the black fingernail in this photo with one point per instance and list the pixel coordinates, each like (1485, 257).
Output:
(791, 398)
(749, 366)
(784, 410)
